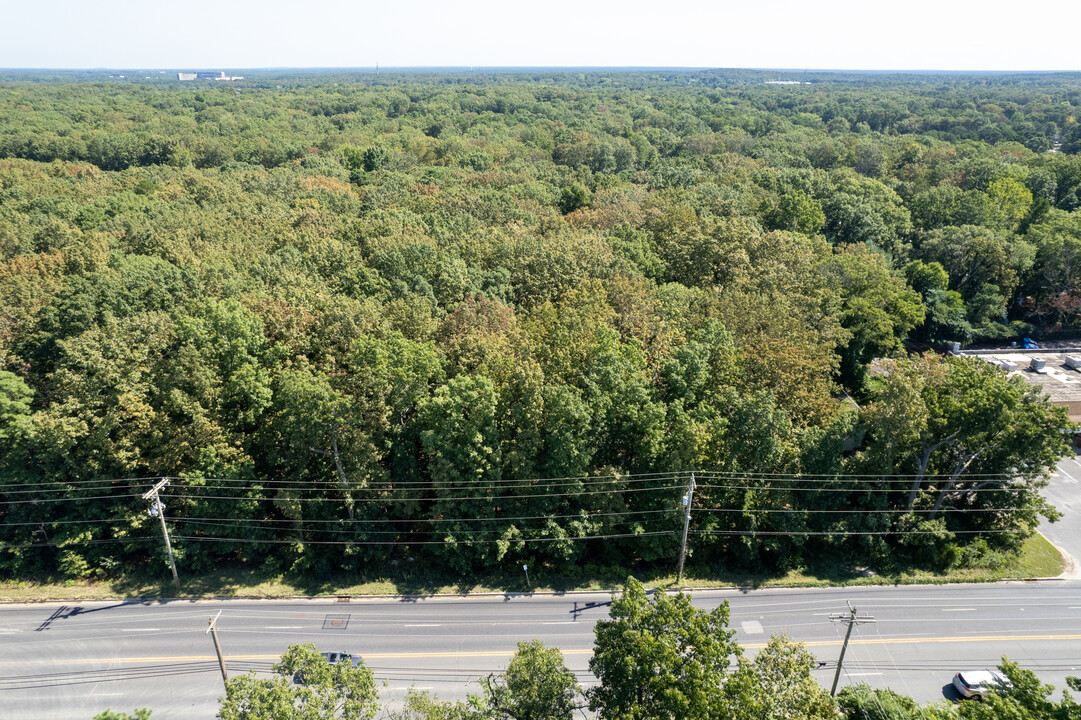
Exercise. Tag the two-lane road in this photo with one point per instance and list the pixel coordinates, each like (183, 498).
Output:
(74, 660)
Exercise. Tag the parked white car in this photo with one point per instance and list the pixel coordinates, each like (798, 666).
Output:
(978, 683)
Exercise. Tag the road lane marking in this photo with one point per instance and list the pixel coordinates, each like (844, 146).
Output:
(560, 622)
(958, 609)
(848, 674)
(752, 627)
(140, 630)
(570, 651)
(284, 627)
(422, 625)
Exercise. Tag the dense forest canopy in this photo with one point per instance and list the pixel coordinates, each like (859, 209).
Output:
(496, 318)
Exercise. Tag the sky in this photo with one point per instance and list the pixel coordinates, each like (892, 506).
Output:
(836, 34)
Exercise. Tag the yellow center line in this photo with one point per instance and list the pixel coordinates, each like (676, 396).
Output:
(571, 651)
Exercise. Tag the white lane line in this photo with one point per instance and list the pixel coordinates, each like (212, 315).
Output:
(560, 622)
(411, 687)
(97, 694)
(1067, 474)
(140, 630)
(863, 674)
(958, 609)
(422, 625)
(284, 627)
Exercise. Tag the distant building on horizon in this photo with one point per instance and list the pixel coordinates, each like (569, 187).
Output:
(220, 75)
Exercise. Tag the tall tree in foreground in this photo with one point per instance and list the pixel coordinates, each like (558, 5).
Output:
(661, 659)
(305, 687)
(536, 686)
(778, 685)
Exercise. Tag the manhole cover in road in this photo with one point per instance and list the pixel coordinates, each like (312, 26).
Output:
(336, 622)
(752, 627)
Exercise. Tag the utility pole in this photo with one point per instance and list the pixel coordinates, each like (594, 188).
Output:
(850, 618)
(157, 508)
(686, 526)
(217, 646)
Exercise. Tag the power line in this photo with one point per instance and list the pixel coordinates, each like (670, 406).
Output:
(358, 528)
(569, 538)
(345, 521)
(846, 533)
(923, 487)
(867, 511)
(579, 538)
(184, 494)
(622, 477)
(876, 478)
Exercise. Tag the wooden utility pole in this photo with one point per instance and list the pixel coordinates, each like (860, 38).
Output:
(213, 629)
(686, 526)
(157, 508)
(850, 618)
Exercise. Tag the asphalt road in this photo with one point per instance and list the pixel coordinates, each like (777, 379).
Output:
(1064, 492)
(72, 661)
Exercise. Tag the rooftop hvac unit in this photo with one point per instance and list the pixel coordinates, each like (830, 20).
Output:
(1073, 361)
(1037, 364)
(1008, 365)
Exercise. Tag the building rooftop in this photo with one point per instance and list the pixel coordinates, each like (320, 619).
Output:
(1059, 379)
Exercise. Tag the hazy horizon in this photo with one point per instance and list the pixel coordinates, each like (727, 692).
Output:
(924, 36)
(534, 68)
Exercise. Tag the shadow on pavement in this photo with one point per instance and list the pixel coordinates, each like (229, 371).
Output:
(66, 612)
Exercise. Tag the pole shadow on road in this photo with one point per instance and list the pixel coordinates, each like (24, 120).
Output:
(66, 612)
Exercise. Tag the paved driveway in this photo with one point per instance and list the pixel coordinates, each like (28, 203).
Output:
(1064, 492)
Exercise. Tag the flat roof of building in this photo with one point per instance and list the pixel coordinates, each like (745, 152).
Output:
(1060, 381)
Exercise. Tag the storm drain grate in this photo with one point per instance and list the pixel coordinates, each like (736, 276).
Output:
(336, 622)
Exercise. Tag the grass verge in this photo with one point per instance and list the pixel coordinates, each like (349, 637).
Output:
(1038, 558)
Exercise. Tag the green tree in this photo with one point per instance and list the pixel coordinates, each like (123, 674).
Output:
(864, 210)
(1054, 285)
(536, 686)
(1027, 699)
(959, 425)
(421, 705)
(982, 265)
(324, 691)
(796, 211)
(15, 399)
(661, 659)
(862, 702)
(139, 714)
(946, 310)
(574, 197)
(1011, 198)
(877, 309)
(778, 685)
(375, 158)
